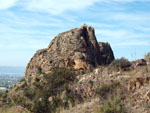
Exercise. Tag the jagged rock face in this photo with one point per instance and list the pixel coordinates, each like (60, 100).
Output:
(77, 48)
(106, 52)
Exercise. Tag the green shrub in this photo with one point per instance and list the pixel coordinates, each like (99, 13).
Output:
(35, 97)
(68, 97)
(17, 100)
(147, 55)
(105, 89)
(60, 76)
(41, 106)
(4, 97)
(112, 106)
(119, 64)
(53, 84)
(29, 93)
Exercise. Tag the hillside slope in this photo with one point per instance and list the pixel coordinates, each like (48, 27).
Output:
(76, 74)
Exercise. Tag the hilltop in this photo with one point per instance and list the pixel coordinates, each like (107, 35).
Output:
(77, 74)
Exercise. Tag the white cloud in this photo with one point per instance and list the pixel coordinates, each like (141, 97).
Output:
(57, 6)
(123, 37)
(60, 6)
(5, 4)
(132, 17)
(51, 6)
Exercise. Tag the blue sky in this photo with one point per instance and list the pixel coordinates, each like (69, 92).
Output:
(29, 25)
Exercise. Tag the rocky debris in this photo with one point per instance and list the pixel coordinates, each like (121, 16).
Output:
(50, 99)
(77, 48)
(139, 100)
(134, 93)
(140, 81)
(139, 62)
(106, 53)
(85, 90)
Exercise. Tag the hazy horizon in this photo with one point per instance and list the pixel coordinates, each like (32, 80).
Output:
(12, 70)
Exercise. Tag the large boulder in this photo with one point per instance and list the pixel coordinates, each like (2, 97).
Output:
(77, 48)
(107, 55)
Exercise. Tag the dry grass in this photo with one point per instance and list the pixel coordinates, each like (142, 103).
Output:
(100, 75)
(86, 107)
(14, 109)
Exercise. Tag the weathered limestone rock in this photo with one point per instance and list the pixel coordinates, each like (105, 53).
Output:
(77, 48)
(106, 52)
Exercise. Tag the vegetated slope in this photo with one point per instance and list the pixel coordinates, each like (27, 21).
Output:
(119, 90)
(69, 77)
(122, 89)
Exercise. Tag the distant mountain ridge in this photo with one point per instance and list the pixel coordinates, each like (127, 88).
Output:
(12, 70)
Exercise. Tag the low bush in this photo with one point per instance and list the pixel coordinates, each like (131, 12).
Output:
(119, 64)
(147, 55)
(112, 106)
(53, 84)
(29, 93)
(35, 97)
(4, 98)
(105, 89)
(41, 106)
(60, 76)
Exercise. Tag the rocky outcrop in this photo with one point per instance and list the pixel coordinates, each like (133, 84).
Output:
(140, 81)
(47, 90)
(139, 62)
(106, 52)
(77, 48)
